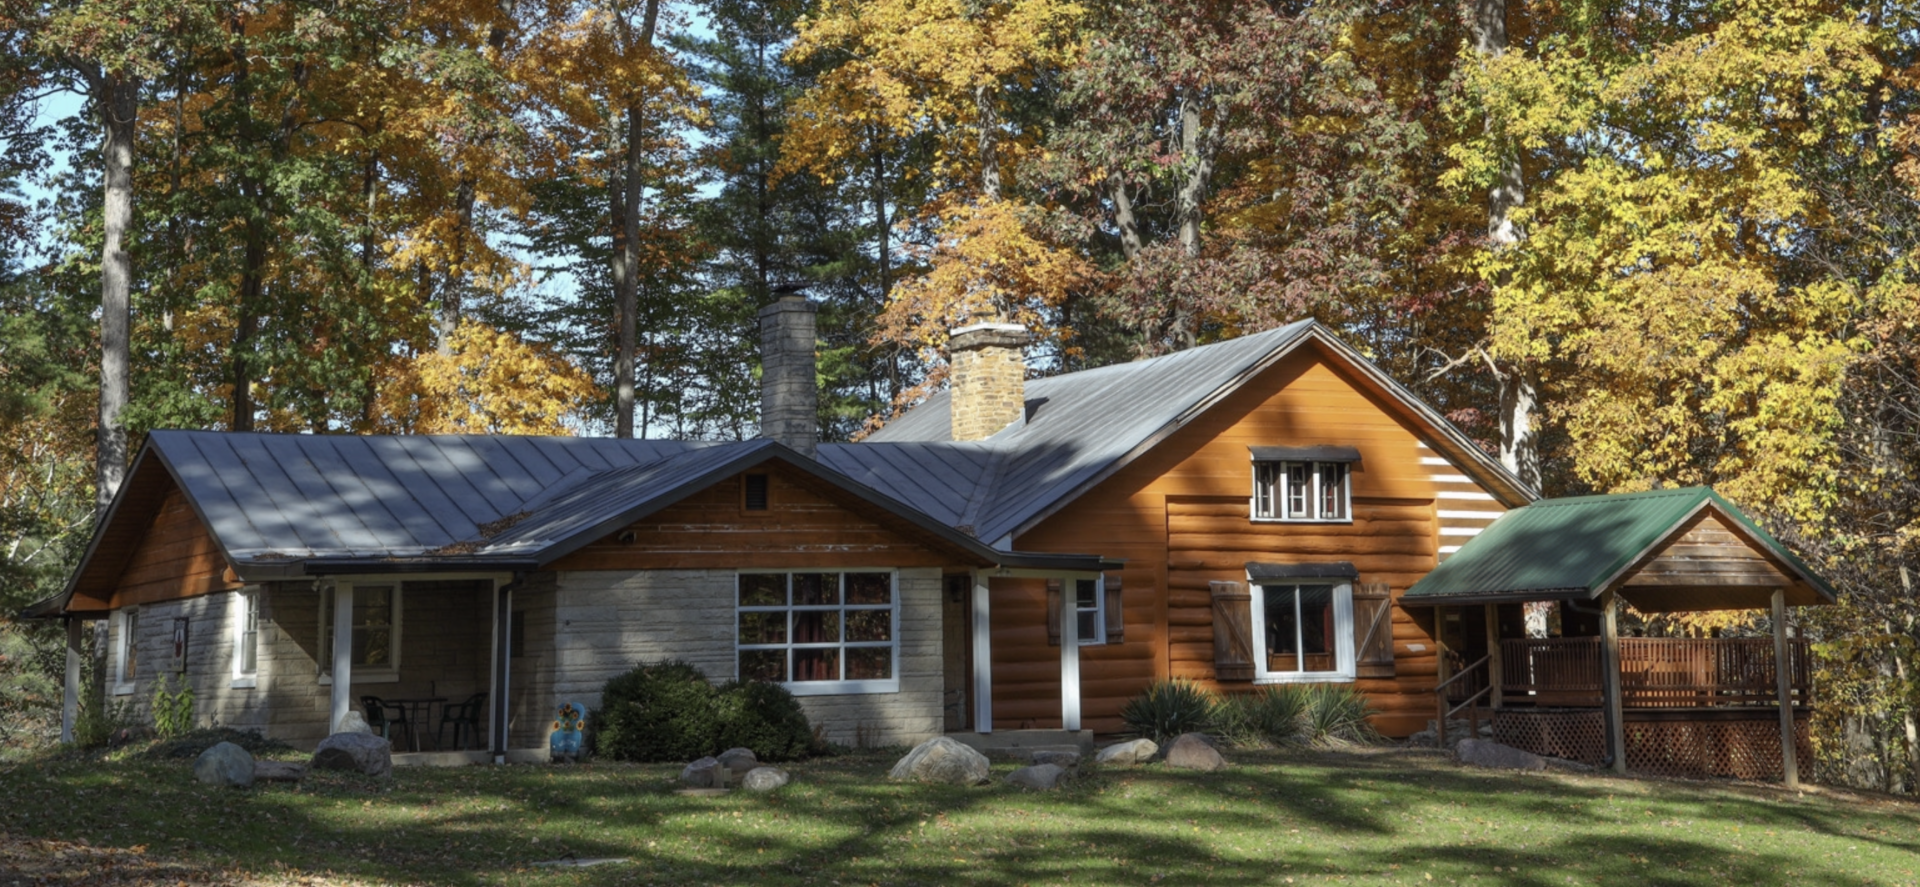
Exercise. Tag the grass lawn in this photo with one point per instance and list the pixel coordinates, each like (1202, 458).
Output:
(1282, 817)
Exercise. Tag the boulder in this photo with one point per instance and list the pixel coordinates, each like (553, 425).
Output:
(362, 753)
(278, 771)
(1194, 751)
(1487, 753)
(1137, 751)
(764, 779)
(707, 772)
(1043, 777)
(1065, 760)
(224, 764)
(941, 759)
(739, 760)
(353, 722)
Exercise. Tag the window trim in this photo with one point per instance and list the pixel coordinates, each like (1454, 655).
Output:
(1344, 655)
(124, 640)
(823, 688)
(362, 674)
(1276, 494)
(247, 603)
(1098, 637)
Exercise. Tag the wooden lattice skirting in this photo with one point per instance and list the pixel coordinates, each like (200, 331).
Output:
(1737, 743)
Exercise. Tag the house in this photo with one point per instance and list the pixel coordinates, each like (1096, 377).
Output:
(1012, 554)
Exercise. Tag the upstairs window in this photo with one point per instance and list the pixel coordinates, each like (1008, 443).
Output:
(1301, 491)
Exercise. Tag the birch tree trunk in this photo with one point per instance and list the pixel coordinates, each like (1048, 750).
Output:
(118, 96)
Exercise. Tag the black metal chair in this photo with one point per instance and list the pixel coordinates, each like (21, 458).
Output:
(385, 717)
(464, 718)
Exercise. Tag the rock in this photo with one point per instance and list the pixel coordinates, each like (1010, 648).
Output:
(353, 722)
(739, 760)
(764, 779)
(1137, 751)
(278, 771)
(707, 772)
(1065, 760)
(1486, 753)
(1194, 751)
(1044, 777)
(941, 759)
(360, 752)
(224, 764)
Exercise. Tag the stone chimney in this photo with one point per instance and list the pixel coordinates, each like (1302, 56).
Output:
(989, 378)
(789, 397)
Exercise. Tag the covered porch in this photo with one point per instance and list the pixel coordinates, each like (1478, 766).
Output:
(1699, 707)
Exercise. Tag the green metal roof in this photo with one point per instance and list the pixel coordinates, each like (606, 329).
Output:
(1574, 547)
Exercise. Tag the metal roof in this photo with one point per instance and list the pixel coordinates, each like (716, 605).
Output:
(1081, 427)
(1576, 547)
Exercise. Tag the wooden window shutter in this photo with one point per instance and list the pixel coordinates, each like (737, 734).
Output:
(1373, 629)
(1116, 622)
(1232, 632)
(1054, 602)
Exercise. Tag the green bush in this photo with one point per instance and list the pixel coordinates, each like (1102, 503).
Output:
(660, 712)
(1269, 716)
(1170, 708)
(100, 721)
(1336, 714)
(172, 712)
(763, 717)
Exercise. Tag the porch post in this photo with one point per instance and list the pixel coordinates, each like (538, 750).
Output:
(342, 655)
(1784, 679)
(498, 717)
(70, 688)
(1610, 676)
(1494, 672)
(982, 657)
(1069, 655)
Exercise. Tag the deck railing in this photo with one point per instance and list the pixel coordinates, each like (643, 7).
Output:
(1654, 672)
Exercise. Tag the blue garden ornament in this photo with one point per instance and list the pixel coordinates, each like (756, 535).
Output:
(566, 738)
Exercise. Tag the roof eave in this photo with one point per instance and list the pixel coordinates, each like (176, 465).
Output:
(1497, 597)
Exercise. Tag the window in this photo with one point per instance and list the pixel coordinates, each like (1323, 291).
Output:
(1088, 611)
(1303, 631)
(819, 632)
(126, 667)
(1301, 491)
(246, 638)
(755, 493)
(374, 647)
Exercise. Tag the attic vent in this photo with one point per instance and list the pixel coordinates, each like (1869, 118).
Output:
(756, 492)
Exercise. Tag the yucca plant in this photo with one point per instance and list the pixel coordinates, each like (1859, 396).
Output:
(1278, 714)
(1336, 714)
(1170, 708)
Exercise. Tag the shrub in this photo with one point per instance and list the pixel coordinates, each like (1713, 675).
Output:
(1170, 708)
(1268, 716)
(659, 712)
(172, 712)
(1336, 714)
(763, 717)
(101, 721)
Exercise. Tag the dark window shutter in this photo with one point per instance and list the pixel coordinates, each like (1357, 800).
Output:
(1116, 622)
(1232, 632)
(1054, 602)
(1373, 629)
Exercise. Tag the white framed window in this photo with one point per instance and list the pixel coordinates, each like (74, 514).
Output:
(1090, 609)
(1303, 630)
(246, 638)
(819, 632)
(126, 651)
(1302, 491)
(375, 649)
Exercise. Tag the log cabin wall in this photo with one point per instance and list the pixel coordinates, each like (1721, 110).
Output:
(1179, 516)
(176, 558)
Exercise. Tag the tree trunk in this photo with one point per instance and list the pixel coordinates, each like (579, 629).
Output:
(988, 143)
(626, 247)
(446, 318)
(1123, 217)
(1519, 390)
(119, 101)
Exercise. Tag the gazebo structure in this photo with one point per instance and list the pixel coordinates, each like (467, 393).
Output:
(1669, 706)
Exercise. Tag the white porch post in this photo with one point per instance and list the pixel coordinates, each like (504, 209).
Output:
(982, 657)
(498, 718)
(1790, 765)
(70, 688)
(342, 654)
(1069, 655)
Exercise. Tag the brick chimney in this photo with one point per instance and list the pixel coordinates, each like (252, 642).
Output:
(989, 380)
(789, 397)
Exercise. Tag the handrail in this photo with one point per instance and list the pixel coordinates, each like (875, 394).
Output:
(1440, 702)
(1462, 673)
(1470, 700)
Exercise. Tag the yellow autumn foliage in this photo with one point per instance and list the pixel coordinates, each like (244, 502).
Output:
(492, 382)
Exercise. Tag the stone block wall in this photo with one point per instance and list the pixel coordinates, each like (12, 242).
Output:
(988, 381)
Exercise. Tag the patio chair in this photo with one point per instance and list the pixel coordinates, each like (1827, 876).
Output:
(384, 717)
(464, 718)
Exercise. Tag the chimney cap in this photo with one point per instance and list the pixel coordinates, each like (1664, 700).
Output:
(988, 335)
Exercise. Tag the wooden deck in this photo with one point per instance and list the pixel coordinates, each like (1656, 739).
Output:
(1654, 672)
